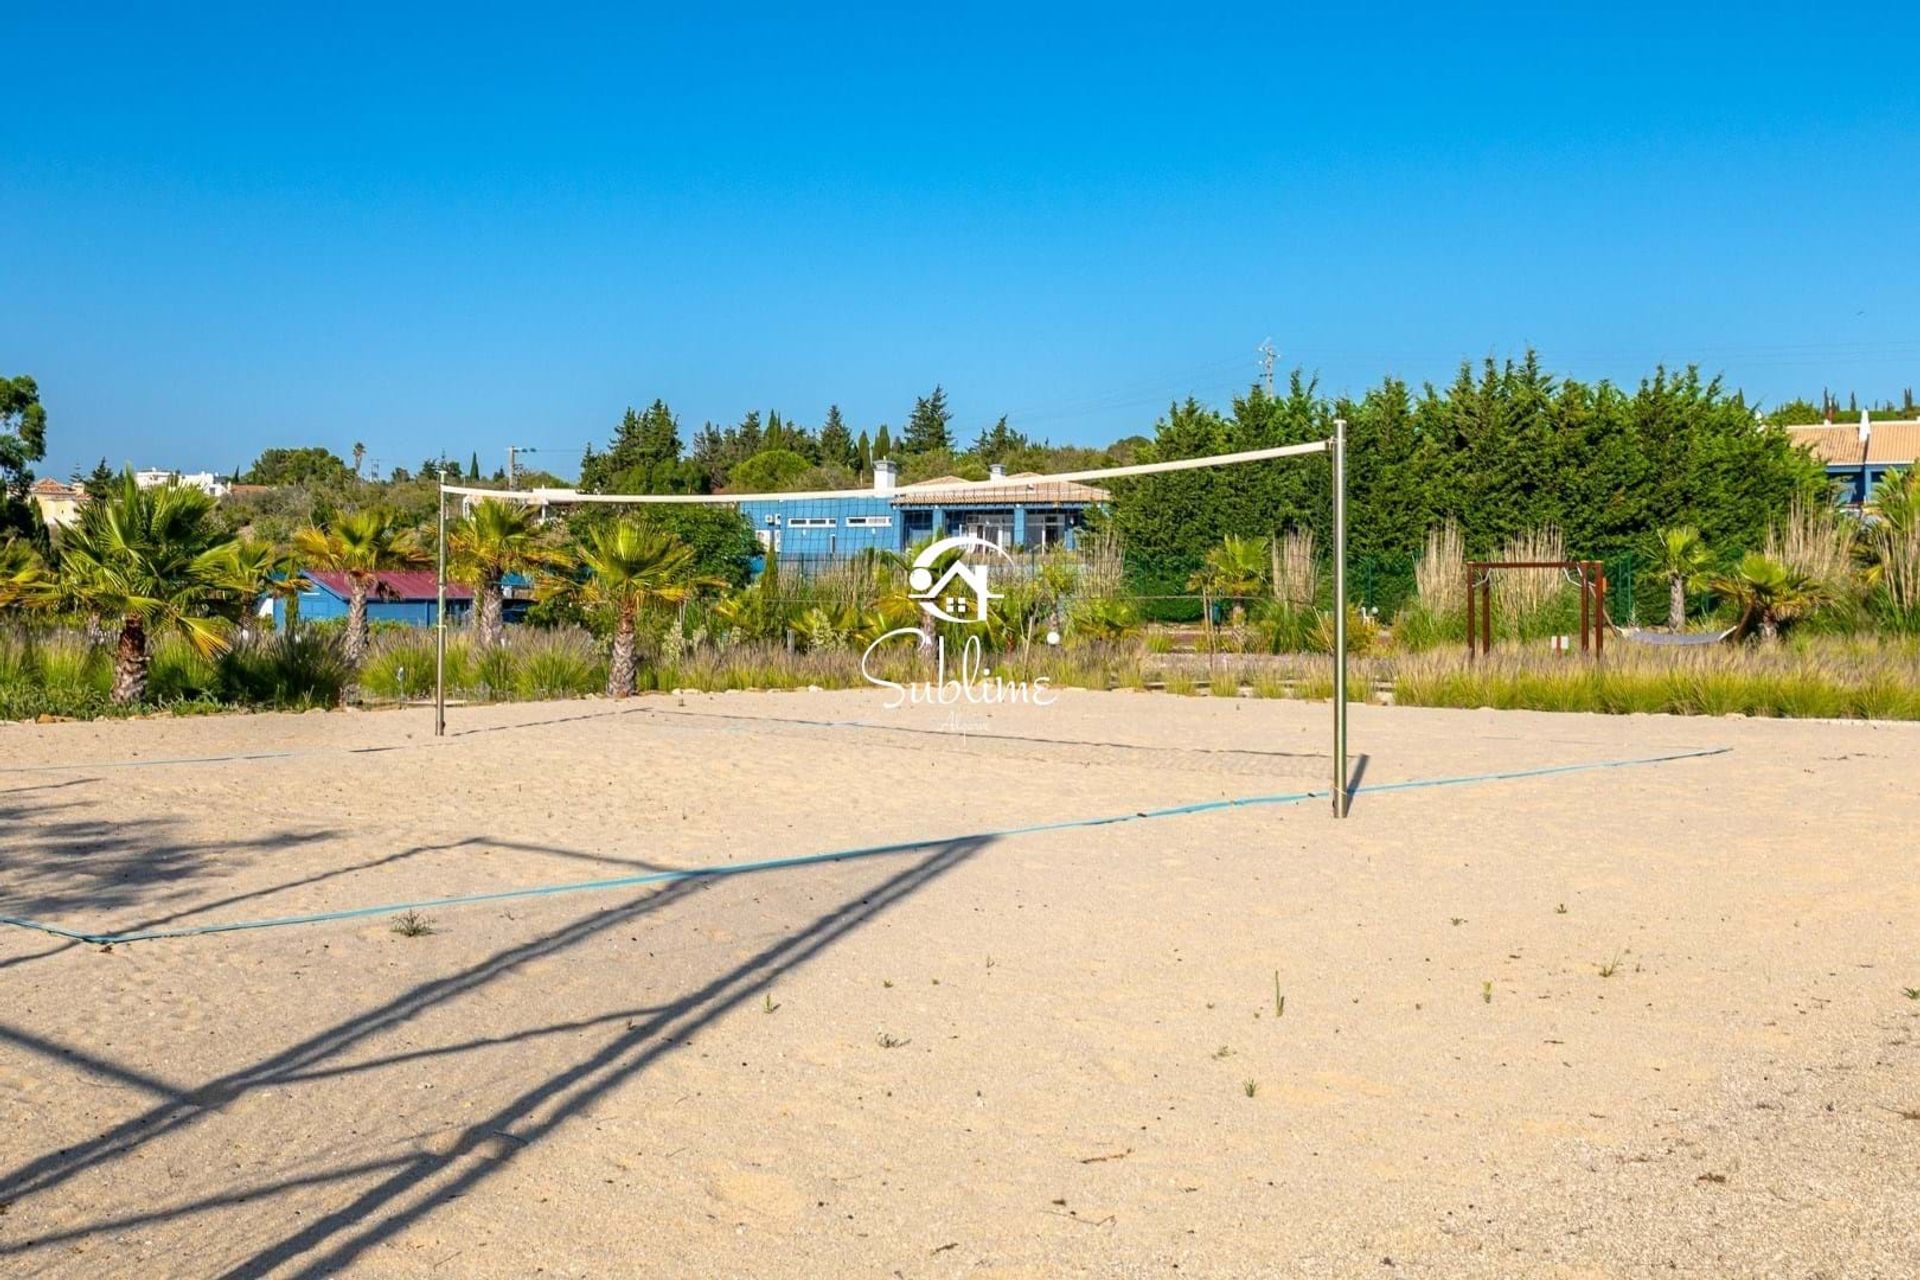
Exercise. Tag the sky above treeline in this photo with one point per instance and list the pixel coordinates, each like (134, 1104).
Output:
(431, 229)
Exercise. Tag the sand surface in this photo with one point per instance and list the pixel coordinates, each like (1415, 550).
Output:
(1636, 1021)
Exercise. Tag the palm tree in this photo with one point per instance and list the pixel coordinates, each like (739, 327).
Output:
(23, 575)
(1769, 594)
(494, 539)
(1234, 569)
(633, 565)
(359, 456)
(361, 544)
(154, 559)
(266, 570)
(1681, 557)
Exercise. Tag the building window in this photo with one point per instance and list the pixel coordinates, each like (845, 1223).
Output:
(869, 522)
(1049, 528)
(810, 522)
(994, 526)
(918, 523)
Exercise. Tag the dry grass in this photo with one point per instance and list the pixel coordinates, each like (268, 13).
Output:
(1440, 579)
(1519, 595)
(1815, 541)
(1824, 679)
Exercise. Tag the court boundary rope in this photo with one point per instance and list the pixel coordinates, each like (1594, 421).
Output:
(724, 870)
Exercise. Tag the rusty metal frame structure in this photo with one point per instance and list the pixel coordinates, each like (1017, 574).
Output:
(1591, 576)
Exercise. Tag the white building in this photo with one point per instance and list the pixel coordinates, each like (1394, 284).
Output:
(205, 481)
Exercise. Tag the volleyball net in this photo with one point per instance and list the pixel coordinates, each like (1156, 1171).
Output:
(1236, 553)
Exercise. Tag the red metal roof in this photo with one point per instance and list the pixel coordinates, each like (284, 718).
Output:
(394, 584)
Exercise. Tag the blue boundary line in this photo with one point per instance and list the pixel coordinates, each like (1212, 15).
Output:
(838, 855)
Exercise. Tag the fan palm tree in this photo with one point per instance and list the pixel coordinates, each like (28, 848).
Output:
(1233, 570)
(153, 559)
(1681, 557)
(361, 544)
(23, 575)
(493, 540)
(1769, 594)
(632, 566)
(266, 570)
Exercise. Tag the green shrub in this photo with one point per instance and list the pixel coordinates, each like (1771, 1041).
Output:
(561, 663)
(308, 669)
(177, 672)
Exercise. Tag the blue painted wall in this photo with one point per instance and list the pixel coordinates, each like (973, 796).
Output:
(819, 528)
(1854, 484)
(324, 606)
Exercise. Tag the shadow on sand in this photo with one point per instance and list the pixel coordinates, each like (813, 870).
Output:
(377, 1195)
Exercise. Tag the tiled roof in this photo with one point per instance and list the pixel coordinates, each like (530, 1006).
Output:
(1024, 487)
(1891, 443)
(394, 584)
(48, 487)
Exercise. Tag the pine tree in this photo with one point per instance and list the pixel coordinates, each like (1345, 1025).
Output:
(929, 426)
(748, 435)
(709, 456)
(97, 482)
(836, 443)
(999, 442)
(865, 451)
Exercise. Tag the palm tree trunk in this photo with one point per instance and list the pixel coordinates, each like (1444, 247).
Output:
(130, 664)
(1769, 627)
(620, 671)
(492, 613)
(357, 622)
(1676, 602)
(293, 615)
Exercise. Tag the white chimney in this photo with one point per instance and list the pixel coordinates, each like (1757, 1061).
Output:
(997, 471)
(885, 474)
(1866, 427)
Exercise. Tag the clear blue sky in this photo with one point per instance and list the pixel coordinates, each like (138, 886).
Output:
(223, 228)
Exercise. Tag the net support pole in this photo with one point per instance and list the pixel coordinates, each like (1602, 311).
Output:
(1339, 449)
(440, 625)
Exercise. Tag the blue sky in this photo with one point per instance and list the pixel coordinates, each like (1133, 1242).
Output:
(459, 228)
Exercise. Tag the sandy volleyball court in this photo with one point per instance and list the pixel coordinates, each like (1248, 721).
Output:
(1626, 1021)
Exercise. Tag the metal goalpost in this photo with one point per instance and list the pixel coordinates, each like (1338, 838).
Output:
(1335, 446)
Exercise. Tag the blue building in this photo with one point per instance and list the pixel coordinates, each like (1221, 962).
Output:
(1026, 511)
(1858, 458)
(406, 596)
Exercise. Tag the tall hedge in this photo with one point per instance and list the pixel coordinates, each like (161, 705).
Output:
(1502, 449)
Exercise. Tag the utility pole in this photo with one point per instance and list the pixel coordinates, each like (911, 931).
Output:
(513, 462)
(1267, 353)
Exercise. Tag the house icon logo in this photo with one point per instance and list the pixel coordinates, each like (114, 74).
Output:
(958, 592)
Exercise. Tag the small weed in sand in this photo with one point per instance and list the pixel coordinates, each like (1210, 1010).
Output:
(1249, 1087)
(768, 1006)
(1224, 1051)
(886, 982)
(411, 924)
(1560, 910)
(1458, 921)
(1911, 993)
(1611, 967)
(1279, 1001)
(887, 1040)
(1486, 993)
